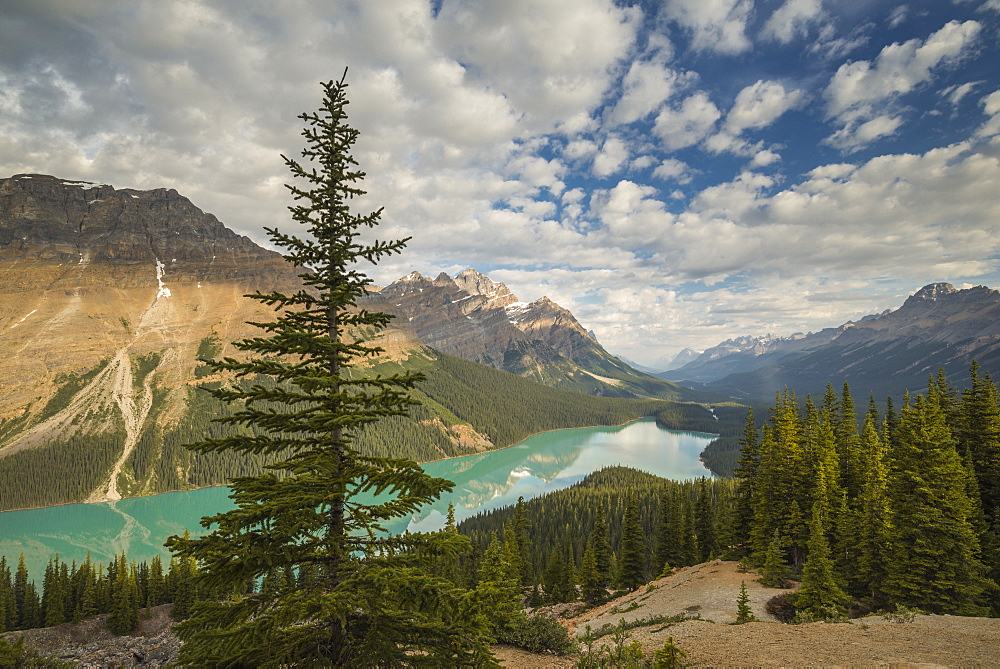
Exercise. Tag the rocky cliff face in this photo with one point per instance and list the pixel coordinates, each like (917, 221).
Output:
(46, 218)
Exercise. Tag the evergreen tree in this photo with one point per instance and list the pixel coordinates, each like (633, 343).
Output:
(124, 615)
(553, 578)
(821, 596)
(8, 609)
(706, 524)
(934, 552)
(774, 572)
(591, 588)
(872, 519)
(746, 472)
(632, 550)
(744, 614)
(500, 593)
(978, 436)
(373, 600)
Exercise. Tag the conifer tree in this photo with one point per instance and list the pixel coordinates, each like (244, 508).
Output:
(934, 552)
(872, 519)
(602, 555)
(591, 588)
(821, 595)
(8, 611)
(632, 550)
(372, 600)
(500, 593)
(705, 521)
(124, 614)
(978, 436)
(774, 571)
(746, 472)
(744, 614)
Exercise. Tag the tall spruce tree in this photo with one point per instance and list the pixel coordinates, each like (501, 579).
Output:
(632, 550)
(933, 556)
(370, 600)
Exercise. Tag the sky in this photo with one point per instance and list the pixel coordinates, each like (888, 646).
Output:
(674, 172)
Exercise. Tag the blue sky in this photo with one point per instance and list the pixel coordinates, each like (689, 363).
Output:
(675, 172)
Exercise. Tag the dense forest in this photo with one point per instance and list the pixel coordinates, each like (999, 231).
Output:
(903, 511)
(71, 593)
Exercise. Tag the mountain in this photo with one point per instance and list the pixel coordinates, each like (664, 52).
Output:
(887, 353)
(110, 296)
(472, 317)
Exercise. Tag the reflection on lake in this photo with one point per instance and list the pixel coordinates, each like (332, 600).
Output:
(543, 463)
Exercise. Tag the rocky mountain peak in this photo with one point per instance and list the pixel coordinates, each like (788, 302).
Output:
(931, 292)
(476, 283)
(45, 217)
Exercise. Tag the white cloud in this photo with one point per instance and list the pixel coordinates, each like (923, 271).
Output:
(688, 124)
(579, 148)
(715, 25)
(764, 158)
(760, 105)
(540, 55)
(898, 16)
(855, 135)
(991, 106)
(898, 69)
(673, 169)
(792, 20)
(645, 87)
(613, 154)
(955, 94)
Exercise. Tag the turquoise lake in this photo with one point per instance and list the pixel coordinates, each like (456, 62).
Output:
(543, 463)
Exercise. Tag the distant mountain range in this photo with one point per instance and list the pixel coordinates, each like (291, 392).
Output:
(939, 326)
(110, 296)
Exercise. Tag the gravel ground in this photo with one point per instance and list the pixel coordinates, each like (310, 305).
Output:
(710, 590)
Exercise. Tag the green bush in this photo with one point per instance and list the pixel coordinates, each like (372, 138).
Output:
(543, 634)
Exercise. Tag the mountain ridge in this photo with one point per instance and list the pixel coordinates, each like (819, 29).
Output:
(937, 326)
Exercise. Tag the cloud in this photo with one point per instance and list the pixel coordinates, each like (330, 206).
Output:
(955, 94)
(991, 106)
(714, 25)
(675, 170)
(759, 105)
(898, 69)
(613, 154)
(855, 135)
(644, 88)
(688, 124)
(540, 55)
(792, 20)
(764, 158)
(898, 16)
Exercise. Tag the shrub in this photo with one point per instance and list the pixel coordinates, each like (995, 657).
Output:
(781, 607)
(541, 633)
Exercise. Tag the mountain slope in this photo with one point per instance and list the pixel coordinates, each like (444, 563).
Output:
(108, 298)
(938, 326)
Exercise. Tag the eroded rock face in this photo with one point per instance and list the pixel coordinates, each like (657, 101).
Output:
(47, 218)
